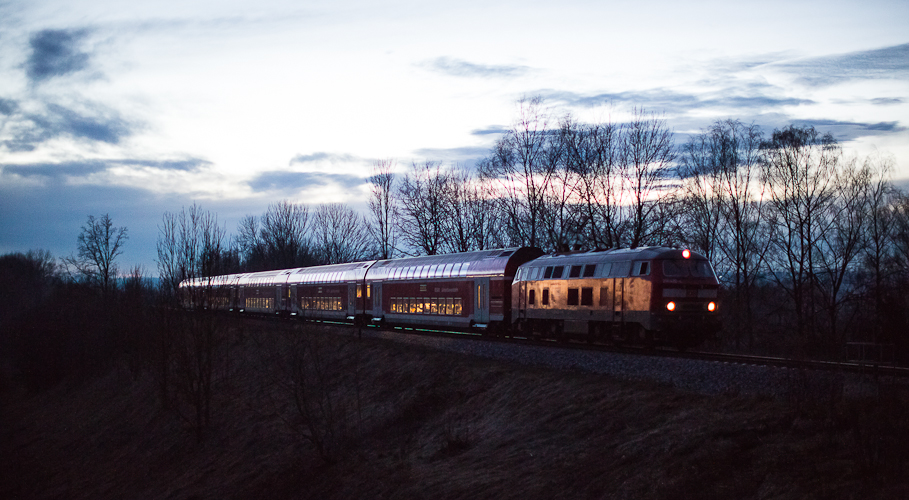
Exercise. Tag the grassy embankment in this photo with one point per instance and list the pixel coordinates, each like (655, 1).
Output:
(403, 422)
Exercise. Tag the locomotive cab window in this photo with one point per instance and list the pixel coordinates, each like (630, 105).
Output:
(641, 268)
(587, 296)
(548, 273)
(589, 270)
(575, 272)
(572, 296)
(558, 272)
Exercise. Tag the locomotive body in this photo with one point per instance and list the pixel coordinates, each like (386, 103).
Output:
(650, 295)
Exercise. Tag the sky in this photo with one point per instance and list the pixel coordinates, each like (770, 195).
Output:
(134, 109)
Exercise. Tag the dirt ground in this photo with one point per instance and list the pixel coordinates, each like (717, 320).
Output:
(306, 414)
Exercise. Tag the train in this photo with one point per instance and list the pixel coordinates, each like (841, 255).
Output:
(643, 296)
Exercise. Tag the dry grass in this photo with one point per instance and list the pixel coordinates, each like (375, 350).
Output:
(412, 423)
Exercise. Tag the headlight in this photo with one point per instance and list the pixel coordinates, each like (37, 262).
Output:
(670, 306)
(711, 306)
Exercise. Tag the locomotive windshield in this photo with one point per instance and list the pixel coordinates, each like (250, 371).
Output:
(682, 267)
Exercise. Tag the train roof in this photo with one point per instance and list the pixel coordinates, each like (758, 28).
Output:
(499, 262)
(612, 255)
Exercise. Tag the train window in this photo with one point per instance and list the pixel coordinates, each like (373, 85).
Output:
(587, 296)
(589, 270)
(457, 306)
(532, 297)
(548, 273)
(620, 268)
(604, 269)
(641, 268)
(675, 268)
(558, 272)
(575, 271)
(572, 296)
(701, 269)
(369, 291)
(545, 296)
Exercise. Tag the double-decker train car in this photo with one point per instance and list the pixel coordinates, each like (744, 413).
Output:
(649, 295)
(470, 290)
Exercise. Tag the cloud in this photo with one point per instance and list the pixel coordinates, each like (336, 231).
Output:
(464, 154)
(322, 157)
(8, 106)
(84, 168)
(491, 130)
(886, 101)
(55, 53)
(847, 131)
(93, 123)
(884, 63)
(286, 181)
(457, 67)
(672, 102)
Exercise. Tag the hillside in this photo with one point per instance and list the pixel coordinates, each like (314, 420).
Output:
(399, 421)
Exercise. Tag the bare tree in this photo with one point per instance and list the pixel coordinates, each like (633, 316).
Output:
(799, 170)
(383, 208)
(189, 348)
(284, 235)
(99, 245)
(424, 203)
(881, 227)
(591, 153)
(647, 153)
(520, 167)
(340, 234)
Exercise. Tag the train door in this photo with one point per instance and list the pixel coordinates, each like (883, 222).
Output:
(618, 300)
(522, 300)
(481, 306)
(377, 300)
(351, 299)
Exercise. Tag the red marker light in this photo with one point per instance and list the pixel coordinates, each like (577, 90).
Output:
(686, 253)
(670, 306)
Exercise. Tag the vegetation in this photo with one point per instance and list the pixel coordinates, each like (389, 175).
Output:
(363, 418)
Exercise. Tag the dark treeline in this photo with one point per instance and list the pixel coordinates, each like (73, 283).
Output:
(810, 244)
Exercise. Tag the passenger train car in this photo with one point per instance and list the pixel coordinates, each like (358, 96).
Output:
(648, 295)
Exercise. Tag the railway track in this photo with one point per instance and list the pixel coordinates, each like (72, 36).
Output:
(872, 369)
